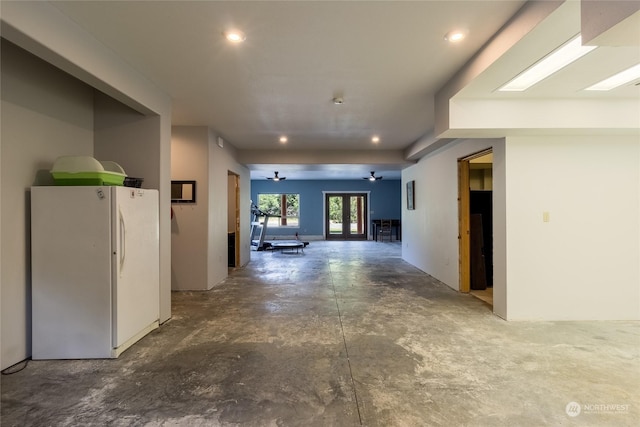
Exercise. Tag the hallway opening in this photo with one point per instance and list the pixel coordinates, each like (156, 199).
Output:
(475, 213)
(346, 216)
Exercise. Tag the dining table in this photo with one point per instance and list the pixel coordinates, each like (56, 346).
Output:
(395, 225)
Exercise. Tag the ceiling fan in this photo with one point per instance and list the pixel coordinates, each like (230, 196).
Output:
(276, 177)
(373, 177)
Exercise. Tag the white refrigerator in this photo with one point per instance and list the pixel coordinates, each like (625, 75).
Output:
(95, 270)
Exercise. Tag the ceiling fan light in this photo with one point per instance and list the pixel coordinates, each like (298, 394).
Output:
(276, 178)
(373, 177)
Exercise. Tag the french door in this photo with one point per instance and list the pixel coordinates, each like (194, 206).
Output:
(346, 216)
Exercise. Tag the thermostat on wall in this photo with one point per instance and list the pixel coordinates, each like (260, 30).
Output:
(220, 142)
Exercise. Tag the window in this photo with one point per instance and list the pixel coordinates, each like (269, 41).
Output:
(284, 208)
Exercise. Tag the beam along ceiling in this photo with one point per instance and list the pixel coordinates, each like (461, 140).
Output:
(384, 59)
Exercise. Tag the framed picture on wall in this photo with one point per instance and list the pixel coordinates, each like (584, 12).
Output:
(411, 195)
(183, 191)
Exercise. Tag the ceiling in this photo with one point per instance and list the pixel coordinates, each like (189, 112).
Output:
(386, 59)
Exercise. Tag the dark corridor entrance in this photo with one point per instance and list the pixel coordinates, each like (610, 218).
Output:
(481, 234)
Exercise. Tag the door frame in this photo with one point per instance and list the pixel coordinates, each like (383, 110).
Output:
(235, 195)
(346, 193)
(464, 220)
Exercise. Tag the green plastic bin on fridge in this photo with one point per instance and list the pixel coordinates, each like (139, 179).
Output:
(85, 170)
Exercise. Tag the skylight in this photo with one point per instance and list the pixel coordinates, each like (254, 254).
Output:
(558, 59)
(623, 77)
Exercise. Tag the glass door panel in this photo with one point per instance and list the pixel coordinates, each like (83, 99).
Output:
(334, 205)
(346, 216)
(356, 214)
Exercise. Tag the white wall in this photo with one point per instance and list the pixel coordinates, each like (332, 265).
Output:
(45, 114)
(221, 161)
(500, 259)
(432, 243)
(41, 29)
(583, 263)
(127, 137)
(200, 239)
(189, 235)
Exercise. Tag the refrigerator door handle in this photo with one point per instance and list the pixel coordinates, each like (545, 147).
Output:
(123, 238)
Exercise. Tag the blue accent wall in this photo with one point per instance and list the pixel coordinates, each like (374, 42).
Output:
(384, 200)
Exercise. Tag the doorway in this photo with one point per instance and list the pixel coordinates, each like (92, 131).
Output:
(346, 216)
(475, 236)
(233, 219)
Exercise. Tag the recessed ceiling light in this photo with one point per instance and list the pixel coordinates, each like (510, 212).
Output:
(623, 77)
(235, 36)
(556, 60)
(375, 139)
(455, 35)
(283, 139)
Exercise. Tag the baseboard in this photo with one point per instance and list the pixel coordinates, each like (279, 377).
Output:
(303, 237)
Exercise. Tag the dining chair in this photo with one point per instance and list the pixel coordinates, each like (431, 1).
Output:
(384, 230)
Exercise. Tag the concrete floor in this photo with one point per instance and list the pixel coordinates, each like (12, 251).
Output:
(346, 334)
